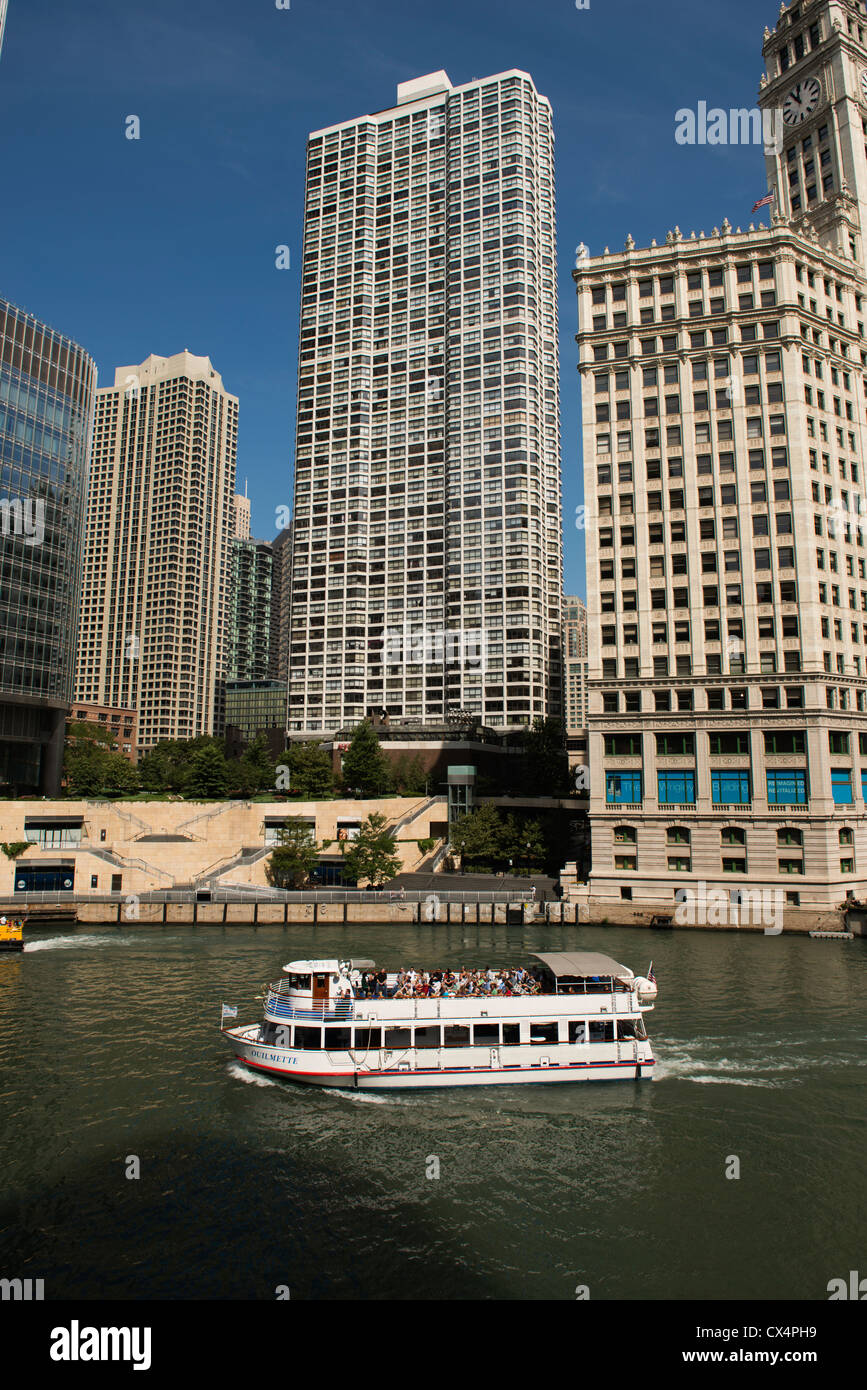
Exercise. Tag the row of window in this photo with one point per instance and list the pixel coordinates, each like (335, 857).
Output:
(682, 864)
(338, 1036)
(729, 787)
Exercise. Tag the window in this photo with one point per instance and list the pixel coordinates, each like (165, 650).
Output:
(675, 743)
(677, 835)
(733, 835)
(786, 741)
(841, 786)
(676, 787)
(622, 745)
(623, 787)
(456, 1035)
(625, 834)
(787, 788)
(678, 864)
(734, 866)
(730, 788)
(722, 744)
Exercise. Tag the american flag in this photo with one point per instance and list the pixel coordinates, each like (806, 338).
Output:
(650, 975)
(763, 202)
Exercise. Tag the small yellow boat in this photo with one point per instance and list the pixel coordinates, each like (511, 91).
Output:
(11, 934)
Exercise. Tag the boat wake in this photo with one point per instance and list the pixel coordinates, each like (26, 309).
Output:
(364, 1097)
(252, 1078)
(64, 943)
(686, 1064)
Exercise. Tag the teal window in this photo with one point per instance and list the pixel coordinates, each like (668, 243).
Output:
(623, 787)
(787, 788)
(730, 788)
(676, 786)
(841, 786)
(864, 783)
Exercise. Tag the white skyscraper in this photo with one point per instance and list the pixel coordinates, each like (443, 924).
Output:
(427, 552)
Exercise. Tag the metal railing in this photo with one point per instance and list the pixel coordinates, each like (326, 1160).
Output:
(251, 893)
(280, 1005)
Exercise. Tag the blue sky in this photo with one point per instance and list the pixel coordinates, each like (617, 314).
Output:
(133, 247)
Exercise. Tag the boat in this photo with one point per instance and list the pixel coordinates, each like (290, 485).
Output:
(11, 934)
(577, 1016)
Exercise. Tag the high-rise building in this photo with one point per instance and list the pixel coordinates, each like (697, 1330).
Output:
(250, 610)
(427, 548)
(241, 522)
(575, 666)
(46, 408)
(281, 592)
(154, 610)
(724, 384)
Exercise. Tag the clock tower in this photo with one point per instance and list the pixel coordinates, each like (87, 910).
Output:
(816, 84)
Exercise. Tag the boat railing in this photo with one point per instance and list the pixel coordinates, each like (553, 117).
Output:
(310, 1010)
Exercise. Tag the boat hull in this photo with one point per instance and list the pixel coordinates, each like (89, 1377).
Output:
(315, 1069)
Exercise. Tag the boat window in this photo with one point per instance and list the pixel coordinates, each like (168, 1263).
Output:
(601, 1031)
(308, 1038)
(368, 1037)
(626, 1028)
(336, 1036)
(543, 1032)
(429, 1036)
(577, 1031)
(456, 1035)
(299, 981)
(486, 1034)
(511, 1034)
(398, 1037)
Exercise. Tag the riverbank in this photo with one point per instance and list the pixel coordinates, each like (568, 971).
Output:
(428, 909)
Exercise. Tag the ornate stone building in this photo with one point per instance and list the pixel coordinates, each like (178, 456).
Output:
(724, 388)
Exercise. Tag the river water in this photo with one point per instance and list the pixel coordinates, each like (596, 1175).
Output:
(109, 1048)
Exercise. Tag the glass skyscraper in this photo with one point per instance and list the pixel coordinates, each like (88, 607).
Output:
(47, 386)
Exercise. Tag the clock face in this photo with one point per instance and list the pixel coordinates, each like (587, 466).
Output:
(802, 101)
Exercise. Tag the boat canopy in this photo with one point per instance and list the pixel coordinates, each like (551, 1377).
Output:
(584, 965)
(327, 967)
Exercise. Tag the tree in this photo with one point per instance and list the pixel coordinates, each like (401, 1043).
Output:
(209, 771)
(254, 770)
(310, 770)
(408, 776)
(523, 842)
(90, 770)
(373, 854)
(364, 764)
(290, 864)
(165, 767)
(478, 835)
(546, 761)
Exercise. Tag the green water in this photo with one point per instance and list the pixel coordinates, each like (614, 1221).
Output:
(109, 1048)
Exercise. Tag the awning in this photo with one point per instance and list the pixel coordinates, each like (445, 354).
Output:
(584, 964)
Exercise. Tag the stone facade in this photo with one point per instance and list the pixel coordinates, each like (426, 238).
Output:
(724, 382)
(145, 846)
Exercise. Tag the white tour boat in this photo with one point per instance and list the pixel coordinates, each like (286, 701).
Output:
(578, 1017)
